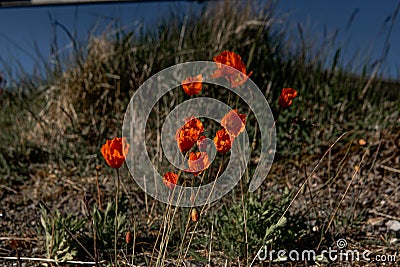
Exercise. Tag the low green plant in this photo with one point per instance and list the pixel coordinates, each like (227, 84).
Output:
(105, 225)
(61, 234)
(264, 221)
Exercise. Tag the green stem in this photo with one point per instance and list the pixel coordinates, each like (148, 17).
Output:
(277, 115)
(116, 220)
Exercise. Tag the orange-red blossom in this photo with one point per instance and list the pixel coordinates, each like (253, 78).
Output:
(233, 122)
(198, 162)
(187, 135)
(170, 179)
(223, 141)
(228, 58)
(192, 85)
(114, 152)
(286, 97)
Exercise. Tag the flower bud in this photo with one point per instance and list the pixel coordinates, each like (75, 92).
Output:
(195, 215)
(128, 237)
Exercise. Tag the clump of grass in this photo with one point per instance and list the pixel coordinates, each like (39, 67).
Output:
(262, 226)
(61, 235)
(105, 225)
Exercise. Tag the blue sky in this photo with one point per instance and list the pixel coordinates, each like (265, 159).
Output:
(363, 38)
(21, 29)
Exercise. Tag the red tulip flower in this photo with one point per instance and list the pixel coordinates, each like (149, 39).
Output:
(170, 179)
(233, 122)
(187, 135)
(286, 97)
(228, 58)
(192, 85)
(114, 152)
(223, 141)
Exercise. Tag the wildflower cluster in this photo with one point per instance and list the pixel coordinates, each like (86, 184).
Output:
(230, 67)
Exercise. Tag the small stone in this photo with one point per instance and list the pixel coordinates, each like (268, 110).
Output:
(393, 225)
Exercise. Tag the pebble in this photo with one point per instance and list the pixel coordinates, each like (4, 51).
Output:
(393, 225)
